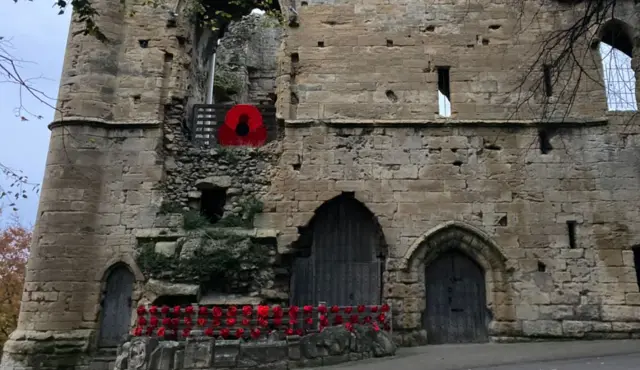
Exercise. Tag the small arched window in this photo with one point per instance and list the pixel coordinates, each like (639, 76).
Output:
(616, 51)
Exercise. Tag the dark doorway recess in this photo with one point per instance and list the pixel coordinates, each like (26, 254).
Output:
(456, 300)
(115, 313)
(344, 245)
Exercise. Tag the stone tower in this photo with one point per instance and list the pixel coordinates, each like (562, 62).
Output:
(408, 141)
(103, 167)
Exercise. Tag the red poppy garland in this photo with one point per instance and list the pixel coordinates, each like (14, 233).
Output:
(242, 126)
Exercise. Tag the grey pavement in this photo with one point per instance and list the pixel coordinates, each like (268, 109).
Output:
(570, 355)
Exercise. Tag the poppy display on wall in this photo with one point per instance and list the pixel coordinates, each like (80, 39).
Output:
(243, 126)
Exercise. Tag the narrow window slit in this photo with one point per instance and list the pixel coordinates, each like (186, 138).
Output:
(571, 228)
(636, 263)
(544, 140)
(444, 92)
(548, 91)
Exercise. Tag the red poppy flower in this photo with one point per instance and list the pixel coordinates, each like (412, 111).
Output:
(381, 317)
(164, 309)
(376, 327)
(176, 310)
(153, 322)
(255, 333)
(239, 333)
(374, 308)
(385, 308)
(335, 309)
(188, 321)
(293, 311)
(137, 331)
(307, 309)
(263, 311)
(262, 322)
(202, 321)
(217, 311)
(242, 126)
(367, 319)
(175, 322)
(246, 322)
(202, 310)
(309, 320)
(348, 309)
(289, 331)
(348, 326)
(277, 311)
(361, 308)
(277, 321)
(225, 333)
(322, 308)
(231, 321)
(232, 311)
(186, 332)
(337, 320)
(141, 310)
(208, 332)
(166, 321)
(247, 310)
(153, 310)
(299, 331)
(142, 321)
(188, 310)
(216, 322)
(161, 331)
(353, 319)
(324, 322)
(149, 330)
(292, 321)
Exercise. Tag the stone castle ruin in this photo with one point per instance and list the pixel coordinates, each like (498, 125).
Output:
(416, 154)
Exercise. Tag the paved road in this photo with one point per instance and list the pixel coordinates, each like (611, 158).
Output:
(583, 355)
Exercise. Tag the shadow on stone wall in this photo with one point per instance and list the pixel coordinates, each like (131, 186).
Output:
(332, 346)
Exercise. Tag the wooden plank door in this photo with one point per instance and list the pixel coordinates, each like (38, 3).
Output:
(115, 315)
(456, 302)
(344, 267)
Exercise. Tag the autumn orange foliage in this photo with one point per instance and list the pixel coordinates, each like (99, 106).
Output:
(15, 240)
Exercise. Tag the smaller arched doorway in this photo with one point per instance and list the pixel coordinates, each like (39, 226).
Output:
(456, 300)
(116, 306)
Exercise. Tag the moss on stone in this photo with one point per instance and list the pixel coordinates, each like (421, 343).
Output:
(227, 261)
(226, 85)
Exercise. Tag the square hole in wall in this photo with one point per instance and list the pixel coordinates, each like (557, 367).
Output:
(212, 203)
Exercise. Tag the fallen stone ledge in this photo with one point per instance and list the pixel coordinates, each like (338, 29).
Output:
(332, 346)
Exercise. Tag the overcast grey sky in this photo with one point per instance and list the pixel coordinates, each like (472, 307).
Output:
(38, 36)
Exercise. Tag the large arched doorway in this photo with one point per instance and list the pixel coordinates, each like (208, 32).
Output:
(345, 255)
(115, 314)
(456, 300)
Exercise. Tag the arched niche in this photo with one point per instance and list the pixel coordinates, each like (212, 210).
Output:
(339, 256)
(116, 305)
(464, 276)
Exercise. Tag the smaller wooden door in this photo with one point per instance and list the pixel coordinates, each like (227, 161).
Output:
(115, 314)
(456, 303)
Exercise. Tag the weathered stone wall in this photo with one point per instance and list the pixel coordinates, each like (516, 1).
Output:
(246, 60)
(332, 346)
(479, 179)
(379, 61)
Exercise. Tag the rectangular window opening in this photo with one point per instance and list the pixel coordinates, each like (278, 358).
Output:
(571, 227)
(636, 263)
(444, 92)
(548, 91)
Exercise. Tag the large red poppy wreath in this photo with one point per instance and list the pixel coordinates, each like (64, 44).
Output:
(242, 127)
